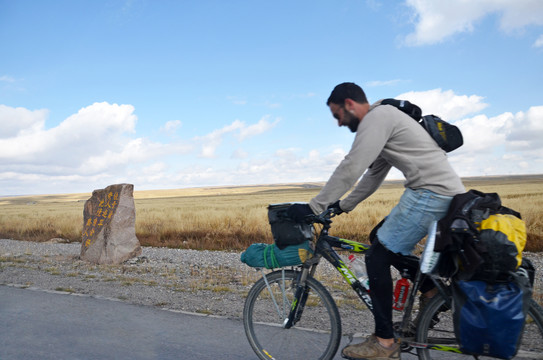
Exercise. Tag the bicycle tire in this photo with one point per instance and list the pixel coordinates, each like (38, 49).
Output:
(442, 333)
(318, 332)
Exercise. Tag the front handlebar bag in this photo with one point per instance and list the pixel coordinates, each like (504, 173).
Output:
(285, 230)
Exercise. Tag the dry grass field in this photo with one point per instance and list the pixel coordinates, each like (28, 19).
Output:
(231, 218)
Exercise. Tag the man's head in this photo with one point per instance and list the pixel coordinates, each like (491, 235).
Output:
(347, 90)
(348, 104)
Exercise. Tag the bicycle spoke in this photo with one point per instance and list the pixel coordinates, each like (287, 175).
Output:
(286, 302)
(272, 296)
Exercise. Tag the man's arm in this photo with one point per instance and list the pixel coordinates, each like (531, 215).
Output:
(369, 183)
(372, 135)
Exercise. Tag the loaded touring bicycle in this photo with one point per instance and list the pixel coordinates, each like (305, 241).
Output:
(289, 309)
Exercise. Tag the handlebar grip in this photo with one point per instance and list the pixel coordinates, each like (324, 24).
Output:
(322, 218)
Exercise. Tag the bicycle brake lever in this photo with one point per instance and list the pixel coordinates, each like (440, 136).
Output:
(323, 217)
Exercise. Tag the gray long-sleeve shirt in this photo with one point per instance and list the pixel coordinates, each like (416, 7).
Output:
(387, 137)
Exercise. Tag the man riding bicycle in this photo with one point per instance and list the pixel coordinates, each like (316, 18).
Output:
(385, 138)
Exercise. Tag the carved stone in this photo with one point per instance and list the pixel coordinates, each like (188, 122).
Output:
(109, 226)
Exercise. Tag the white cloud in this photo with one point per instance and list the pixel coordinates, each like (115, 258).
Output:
(285, 166)
(155, 168)
(240, 154)
(539, 42)
(438, 20)
(482, 134)
(98, 146)
(517, 135)
(500, 145)
(93, 130)
(445, 104)
(132, 152)
(527, 130)
(20, 121)
(213, 140)
(519, 13)
(171, 126)
(262, 126)
(97, 139)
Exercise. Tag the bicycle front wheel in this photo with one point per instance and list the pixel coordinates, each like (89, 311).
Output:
(436, 327)
(316, 334)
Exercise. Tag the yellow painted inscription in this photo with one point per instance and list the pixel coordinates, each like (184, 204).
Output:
(106, 209)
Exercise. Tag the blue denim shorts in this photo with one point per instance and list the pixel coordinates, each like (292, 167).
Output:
(409, 221)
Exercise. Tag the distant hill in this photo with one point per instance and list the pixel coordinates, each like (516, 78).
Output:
(247, 189)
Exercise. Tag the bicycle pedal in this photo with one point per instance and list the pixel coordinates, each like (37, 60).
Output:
(405, 344)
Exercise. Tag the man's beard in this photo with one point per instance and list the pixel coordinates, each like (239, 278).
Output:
(351, 121)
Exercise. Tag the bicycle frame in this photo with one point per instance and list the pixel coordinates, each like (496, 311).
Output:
(324, 248)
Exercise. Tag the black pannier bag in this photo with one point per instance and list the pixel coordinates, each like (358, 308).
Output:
(447, 136)
(285, 230)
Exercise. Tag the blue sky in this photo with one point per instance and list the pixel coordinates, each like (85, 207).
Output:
(175, 94)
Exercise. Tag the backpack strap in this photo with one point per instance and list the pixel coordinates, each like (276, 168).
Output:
(405, 106)
(447, 136)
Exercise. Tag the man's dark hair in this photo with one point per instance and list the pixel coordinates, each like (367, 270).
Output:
(347, 90)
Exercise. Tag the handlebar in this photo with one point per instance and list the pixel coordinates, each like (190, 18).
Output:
(324, 218)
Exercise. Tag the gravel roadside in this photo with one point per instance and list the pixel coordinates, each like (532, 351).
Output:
(204, 282)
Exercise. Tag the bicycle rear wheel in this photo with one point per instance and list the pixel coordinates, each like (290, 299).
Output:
(442, 332)
(318, 331)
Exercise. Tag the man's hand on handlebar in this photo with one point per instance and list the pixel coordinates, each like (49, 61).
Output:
(302, 213)
(335, 208)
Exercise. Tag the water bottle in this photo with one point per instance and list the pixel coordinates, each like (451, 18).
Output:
(358, 267)
(400, 292)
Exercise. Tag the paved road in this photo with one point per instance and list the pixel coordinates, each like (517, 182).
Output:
(35, 324)
(44, 325)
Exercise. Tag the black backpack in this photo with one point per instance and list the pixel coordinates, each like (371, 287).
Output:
(480, 239)
(446, 135)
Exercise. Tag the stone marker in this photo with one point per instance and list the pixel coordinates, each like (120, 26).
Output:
(109, 226)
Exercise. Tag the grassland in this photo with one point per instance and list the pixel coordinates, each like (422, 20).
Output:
(231, 218)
